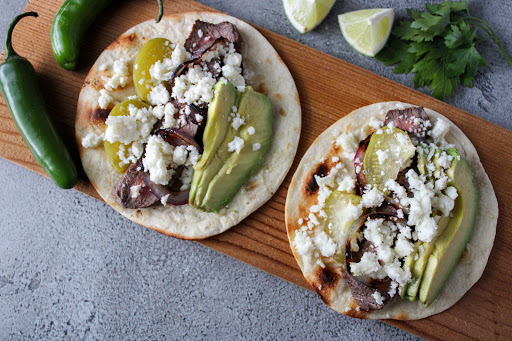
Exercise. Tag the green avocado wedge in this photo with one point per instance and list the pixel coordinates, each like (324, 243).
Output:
(216, 129)
(418, 267)
(220, 173)
(450, 245)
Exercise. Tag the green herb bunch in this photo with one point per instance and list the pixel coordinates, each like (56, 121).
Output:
(438, 46)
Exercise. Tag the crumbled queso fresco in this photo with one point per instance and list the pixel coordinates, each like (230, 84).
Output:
(133, 131)
(393, 241)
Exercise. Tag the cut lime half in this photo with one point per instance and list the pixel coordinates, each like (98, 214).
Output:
(305, 15)
(367, 30)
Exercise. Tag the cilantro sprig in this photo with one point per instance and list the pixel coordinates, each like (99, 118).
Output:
(438, 46)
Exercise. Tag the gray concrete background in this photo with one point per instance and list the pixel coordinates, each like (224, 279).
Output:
(72, 268)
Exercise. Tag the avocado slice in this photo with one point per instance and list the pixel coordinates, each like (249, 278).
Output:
(418, 268)
(336, 207)
(219, 173)
(216, 129)
(422, 159)
(409, 264)
(452, 242)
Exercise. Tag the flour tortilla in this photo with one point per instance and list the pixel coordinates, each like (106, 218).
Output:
(329, 282)
(271, 77)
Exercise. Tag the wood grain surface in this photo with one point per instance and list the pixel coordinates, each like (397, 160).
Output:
(329, 88)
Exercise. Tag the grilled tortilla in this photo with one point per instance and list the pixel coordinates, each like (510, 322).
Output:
(270, 77)
(329, 281)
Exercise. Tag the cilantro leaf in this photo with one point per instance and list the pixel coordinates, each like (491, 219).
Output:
(396, 53)
(460, 35)
(438, 47)
(433, 23)
(455, 6)
(464, 61)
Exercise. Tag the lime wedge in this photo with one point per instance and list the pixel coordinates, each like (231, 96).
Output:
(305, 15)
(367, 30)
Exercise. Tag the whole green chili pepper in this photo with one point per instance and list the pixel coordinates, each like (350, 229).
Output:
(19, 86)
(71, 22)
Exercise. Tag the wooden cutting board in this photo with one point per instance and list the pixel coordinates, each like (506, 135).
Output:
(329, 88)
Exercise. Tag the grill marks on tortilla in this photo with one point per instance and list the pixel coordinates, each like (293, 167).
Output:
(125, 41)
(325, 282)
(311, 186)
(99, 115)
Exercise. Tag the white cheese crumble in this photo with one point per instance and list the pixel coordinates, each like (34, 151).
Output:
(378, 297)
(133, 127)
(117, 80)
(347, 184)
(382, 156)
(129, 155)
(325, 244)
(348, 143)
(439, 131)
(256, 146)
(251, 130)
(159, 156)
(159, 95)
(162, 70)
(196, 86)
(232, 68)
(135, 191)
(186, 177)
(236, 145)
(164, 199)
(237, 121)
(375, 123)
(166, 112)
(161, 159)
(105, 99)
(368, 264)
(92, 140)
(372, 198)
(303, 243)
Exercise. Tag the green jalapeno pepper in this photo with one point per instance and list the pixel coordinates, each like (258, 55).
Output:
(71, 22)
(20, 89)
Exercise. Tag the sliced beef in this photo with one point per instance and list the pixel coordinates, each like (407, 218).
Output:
(363, 293)
(413, 120)
(362, 287)
(204, 35)
(401, 179)
(214, 66)
(359, 165)
(121, 191)
(171, 190)
(178, 137)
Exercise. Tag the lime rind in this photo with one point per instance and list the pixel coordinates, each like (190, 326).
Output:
(305, 15)
(367, 31)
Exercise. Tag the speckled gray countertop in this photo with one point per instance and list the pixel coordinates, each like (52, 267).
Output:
(72, 268)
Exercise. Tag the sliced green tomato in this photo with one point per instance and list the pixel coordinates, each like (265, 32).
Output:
(337, 208)
(112, 149)
(389, 149)
(154, 50)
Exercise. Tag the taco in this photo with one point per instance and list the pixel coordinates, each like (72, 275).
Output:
(189, 125)
(390, 214)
